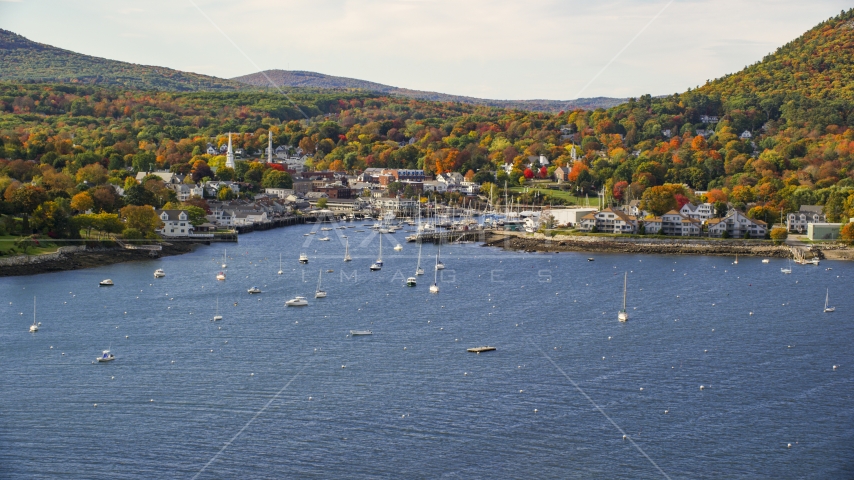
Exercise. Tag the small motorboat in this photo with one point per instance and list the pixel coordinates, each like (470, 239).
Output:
(360, 332)
(411, 282)
(303, 258)
(220, 276)
(106, 283)
(254, 290)
(590, 259)
(106, 356)
(324, 239)
(297, 302)
(398, 247)
(376, 267)
(159, 273)
(765, 260)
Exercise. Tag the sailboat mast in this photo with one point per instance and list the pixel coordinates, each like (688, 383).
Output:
(625, 285)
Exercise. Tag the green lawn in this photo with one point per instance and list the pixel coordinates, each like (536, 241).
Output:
(557, 194)
(7, 243)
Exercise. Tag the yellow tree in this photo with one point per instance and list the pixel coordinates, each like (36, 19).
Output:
(82, 202)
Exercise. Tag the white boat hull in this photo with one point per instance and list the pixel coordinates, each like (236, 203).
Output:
(623, 316)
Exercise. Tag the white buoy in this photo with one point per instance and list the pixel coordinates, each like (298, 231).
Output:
(97, 405)
(834, 367)
(701, 387)
(789, 446)
(641, 389)
(666, 412)
(343, 366)
(251, 374)
(624, 437)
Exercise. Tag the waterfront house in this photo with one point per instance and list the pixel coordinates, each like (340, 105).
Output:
(702, 212)
(799, 221)
(176, 223)
(736, 225)
(609, 220)
(675, 224)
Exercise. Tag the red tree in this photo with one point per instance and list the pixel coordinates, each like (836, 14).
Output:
(529, 174)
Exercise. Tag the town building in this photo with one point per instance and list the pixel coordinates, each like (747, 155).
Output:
(823, 231)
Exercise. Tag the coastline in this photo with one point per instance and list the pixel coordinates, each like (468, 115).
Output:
(90, 258)
(520, 241)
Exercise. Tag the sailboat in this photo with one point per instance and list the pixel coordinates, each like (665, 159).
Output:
(378, 265)
(347, 251)
(787, 269)
(435, 287)
(318, 293)
(217, 316)
(827, 307)
(35, 326)
(623, 316)
(439, 264)
(220, 276)
(418, 269)
(736, 260)
(224, 257)
(280, 264)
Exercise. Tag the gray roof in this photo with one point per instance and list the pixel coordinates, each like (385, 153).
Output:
(811, 209)
(171, 214)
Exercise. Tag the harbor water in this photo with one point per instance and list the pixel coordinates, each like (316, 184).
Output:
(722, 371)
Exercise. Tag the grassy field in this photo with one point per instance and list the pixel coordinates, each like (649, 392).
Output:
(7, 247)
(556, 194)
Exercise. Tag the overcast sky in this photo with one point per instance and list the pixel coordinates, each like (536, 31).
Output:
(519, 49)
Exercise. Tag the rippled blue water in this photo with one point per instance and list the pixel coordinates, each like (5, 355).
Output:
(263, 393)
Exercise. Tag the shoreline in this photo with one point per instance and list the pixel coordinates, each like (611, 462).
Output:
(91, 258)
(520, 241)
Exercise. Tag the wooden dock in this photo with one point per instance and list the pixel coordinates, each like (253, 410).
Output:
(480, 349)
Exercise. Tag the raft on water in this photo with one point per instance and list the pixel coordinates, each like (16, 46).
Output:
(480, 349)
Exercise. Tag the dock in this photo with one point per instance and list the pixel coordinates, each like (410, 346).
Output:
(480, 349)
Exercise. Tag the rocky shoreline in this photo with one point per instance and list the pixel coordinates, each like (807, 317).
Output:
(94, 257)
(571, 243)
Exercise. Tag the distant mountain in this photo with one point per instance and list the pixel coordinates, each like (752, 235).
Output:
(296, 78)
(24, 60)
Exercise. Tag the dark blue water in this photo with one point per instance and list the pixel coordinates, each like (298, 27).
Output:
(262, 394)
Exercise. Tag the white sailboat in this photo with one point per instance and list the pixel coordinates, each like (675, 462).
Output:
(827, 307)
(435, 287)
(736, 260)
(418, 269)
(439, 264)
(224, 258)
(35, 326)
(787, 269)
(347, 251)
(280, 264)
(319, 293)
(217, 317)
(378, 265)
(623, 316)
(220, 276)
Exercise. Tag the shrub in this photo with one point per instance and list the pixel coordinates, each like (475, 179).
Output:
(779, 234)
(132, 234)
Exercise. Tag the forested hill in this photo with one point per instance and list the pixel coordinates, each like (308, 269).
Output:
(769, 139)
(817, 65)
(24, 60)
(295, 78)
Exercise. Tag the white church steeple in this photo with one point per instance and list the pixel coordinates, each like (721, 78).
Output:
(270, 146)
(229, 156)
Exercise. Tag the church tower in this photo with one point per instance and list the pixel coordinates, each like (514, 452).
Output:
(229, 156)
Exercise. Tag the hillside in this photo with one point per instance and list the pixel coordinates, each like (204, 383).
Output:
(296, 78)
(24, 60)
(769, 139)
(816, 65)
